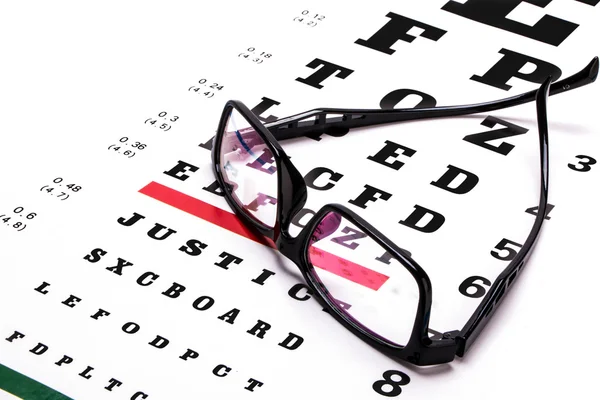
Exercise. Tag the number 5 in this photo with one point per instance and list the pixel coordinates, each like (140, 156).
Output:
(503, 245)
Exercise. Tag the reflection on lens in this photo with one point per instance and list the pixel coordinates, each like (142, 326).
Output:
(372, 288)
(249, 169)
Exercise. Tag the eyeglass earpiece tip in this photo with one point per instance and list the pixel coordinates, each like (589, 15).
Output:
(594, 69)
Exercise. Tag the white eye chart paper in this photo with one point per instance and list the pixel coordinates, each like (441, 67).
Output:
(124, 274)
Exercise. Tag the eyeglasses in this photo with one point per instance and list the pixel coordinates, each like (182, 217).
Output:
(266, 191)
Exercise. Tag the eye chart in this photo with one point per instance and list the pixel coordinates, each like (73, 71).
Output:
(125, 275)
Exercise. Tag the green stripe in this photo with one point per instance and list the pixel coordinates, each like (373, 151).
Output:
(26, 388)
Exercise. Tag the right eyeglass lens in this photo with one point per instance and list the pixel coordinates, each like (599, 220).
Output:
(249, 169)
(373, 288)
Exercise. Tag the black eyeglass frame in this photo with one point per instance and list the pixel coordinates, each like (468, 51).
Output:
(292, 195)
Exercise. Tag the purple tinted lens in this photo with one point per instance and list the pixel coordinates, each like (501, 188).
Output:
(378, 293)
(249, 169)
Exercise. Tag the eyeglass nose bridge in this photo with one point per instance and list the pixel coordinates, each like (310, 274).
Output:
(292, 195)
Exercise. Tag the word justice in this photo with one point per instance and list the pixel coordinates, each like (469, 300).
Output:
(194, 247)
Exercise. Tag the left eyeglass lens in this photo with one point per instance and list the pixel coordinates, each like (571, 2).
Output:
(366, 283)
(249, 169)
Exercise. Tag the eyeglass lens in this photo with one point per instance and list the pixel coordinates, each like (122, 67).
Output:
(249, 169)
(371, 287)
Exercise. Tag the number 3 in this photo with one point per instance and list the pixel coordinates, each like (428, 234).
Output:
(585, 166)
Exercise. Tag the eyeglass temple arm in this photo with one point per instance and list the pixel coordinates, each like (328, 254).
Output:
(465, 338)
(339, 121)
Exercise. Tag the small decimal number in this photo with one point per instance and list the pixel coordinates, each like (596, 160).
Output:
(17, 219)
(124, 145)
(60, 191)
(254, 55)
(309, 19)
(163, 121)
(205, 89)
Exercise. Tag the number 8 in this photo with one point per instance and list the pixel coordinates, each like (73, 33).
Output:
(387, 380)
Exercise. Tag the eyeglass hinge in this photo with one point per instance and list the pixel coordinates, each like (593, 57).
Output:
(450, 334)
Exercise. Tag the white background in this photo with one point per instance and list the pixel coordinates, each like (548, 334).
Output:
(77, 77)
